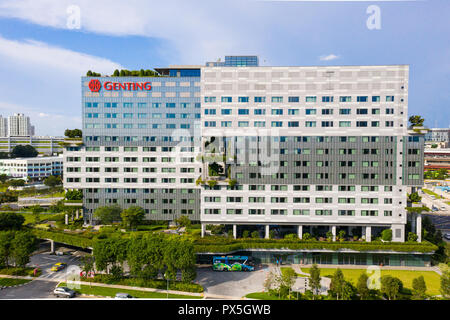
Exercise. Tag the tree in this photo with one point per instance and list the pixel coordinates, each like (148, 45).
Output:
(3, 177)
(22, 246)
(391, 286)
(255, 234)
(116, 73)
(8, 197)
(74, 195)
(89, 73)
(414, 197)
(108, 214)
(4, 155)
(269, 282)
(337, 284)
(361, 286)
(75, 133)
(412, 237)
(6, 238)
(11, 221)
(287, 279)
(386, 235)
(314, 279)
(416, 121)
(419, 288)
(445, 284)
(245, 234)
(341, 235)
(36, 210)
(24, 151)
(183, 221)
(132, 216)
(52, 181)
(16, 182)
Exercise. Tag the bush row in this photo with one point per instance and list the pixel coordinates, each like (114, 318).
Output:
(144, 283)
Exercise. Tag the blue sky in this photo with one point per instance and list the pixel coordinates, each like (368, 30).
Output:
(41, 59)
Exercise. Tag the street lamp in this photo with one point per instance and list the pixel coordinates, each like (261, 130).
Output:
(165, 276)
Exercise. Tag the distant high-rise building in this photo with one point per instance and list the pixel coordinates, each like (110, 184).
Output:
(19, 125)
(3, 127)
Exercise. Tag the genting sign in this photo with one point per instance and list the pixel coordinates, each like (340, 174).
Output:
(95, 86)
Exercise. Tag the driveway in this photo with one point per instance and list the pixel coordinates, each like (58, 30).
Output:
(231, 284)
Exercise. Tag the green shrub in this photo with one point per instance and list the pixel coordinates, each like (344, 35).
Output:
(386, 235)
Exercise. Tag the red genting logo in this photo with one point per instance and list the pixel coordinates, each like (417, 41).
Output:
(95, 85)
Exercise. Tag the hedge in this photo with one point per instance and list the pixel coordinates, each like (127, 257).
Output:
(70, 239)
(220, 244)
(143, 283)
(217, 244)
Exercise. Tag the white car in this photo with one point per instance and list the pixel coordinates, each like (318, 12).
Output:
(64, 292)
(443, 208)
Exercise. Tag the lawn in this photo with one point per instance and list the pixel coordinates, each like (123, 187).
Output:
(431, 193)
(261, 296)
(53, 195)
(432, 279)
(111, 292)
(297, 274)
(6, 282)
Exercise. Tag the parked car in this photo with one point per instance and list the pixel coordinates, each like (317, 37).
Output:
(58, 266)
(120, 295)
(64, 292)
(447, 236)
(433, 208)
(443, 208)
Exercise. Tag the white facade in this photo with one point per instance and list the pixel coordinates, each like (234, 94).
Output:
(386, 116)
(19, 125)
(32, 168)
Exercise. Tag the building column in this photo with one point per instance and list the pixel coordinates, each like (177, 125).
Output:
(419, 227)
(300, 232)
(66, 216)
(203, 229)
(77, 212)
(368, 234)
(267, 232)
(234, 231)
(333, 231)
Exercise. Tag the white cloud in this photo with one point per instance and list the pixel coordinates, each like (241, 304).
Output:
(329, 57)
(40, 54)
(197, 30)
(45, 123)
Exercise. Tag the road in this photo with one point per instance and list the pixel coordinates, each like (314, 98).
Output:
(32, 290)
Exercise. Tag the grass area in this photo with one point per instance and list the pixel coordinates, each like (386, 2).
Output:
(111, 292)
(431, 193)
(262, 296)
(447, 202)
(6, 282)
(53, 195)
(297, 274)
(432, 279)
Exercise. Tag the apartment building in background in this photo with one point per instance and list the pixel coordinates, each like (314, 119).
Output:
(19, 125)
(309, 149)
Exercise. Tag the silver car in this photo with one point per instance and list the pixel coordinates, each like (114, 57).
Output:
(64, 292)
(123, 296)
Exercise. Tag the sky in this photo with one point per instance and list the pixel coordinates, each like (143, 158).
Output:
(47, 45)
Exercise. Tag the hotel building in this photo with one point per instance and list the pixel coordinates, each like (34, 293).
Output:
(313, 149)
